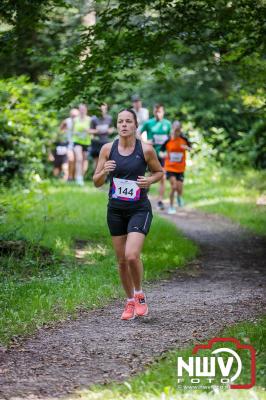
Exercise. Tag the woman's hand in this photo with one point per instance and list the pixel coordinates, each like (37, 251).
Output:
(144, 182)
(109, 166)
(162, 154)
(185, 147)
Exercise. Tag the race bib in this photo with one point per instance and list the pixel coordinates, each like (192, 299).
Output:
(61, 150)
(176, 157)
(160, 139)
(126, 190)
(102, 128)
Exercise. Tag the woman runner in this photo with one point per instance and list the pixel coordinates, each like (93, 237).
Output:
(82, 139)
(175, 163)
(129, 213)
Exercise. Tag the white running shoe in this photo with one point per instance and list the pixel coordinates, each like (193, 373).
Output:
(80, 181)
(171, 210)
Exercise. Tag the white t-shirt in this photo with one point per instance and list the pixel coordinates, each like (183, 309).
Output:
(69, 128)
(142, 116)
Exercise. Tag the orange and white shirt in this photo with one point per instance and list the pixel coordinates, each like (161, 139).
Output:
(175, 160)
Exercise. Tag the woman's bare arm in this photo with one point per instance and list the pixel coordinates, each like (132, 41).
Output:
(155, 167)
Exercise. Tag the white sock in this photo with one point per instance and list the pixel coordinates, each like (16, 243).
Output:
(128, 300)
(138, 291)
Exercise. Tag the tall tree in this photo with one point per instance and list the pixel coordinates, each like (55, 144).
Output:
(36, 33)
(141, 32)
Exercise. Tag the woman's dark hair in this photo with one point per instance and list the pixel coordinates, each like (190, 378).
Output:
(132, 112)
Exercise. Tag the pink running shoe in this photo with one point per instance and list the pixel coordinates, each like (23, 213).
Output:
(129, 311)
(141, 307)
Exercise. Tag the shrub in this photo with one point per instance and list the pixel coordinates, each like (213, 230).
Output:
(26, 130)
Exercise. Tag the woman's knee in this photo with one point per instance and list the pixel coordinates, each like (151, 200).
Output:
(122, 264)
(132, 257)
(172, 182)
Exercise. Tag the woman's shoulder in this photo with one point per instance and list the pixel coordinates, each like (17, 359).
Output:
(147, 148)
(106, 149)
(108, 146)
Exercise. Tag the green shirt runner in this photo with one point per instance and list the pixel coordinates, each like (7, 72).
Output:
(80, 131)
(157, 131)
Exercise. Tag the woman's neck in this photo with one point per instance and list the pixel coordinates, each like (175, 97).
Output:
(128, 141)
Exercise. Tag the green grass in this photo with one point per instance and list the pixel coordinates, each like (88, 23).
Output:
(159, 381)
(37, 288)
(232, 194)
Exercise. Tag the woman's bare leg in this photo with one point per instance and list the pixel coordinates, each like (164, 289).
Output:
(133, 247)
(78, 162)
(119, 243)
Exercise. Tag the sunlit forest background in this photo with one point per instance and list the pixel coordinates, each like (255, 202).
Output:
(204, 60)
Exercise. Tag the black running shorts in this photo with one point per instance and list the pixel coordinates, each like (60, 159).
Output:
(60, 154)
(122, 221)
(85, 147)
(60, 160)
(179, 176)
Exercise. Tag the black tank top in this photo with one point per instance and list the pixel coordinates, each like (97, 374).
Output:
(128, 167)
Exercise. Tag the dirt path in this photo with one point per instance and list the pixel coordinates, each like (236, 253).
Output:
(98, 347)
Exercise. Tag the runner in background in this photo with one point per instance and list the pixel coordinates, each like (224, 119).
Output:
(59, 156)
(82, 140)
(175, 163)
(158, 130)
(101, 128)
(141, 112)
(67, 126)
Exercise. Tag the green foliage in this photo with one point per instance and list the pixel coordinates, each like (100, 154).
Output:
(210, 99)
(141, 33)
(228, 192)
(35, 33)
(26, 130)
(204, 60)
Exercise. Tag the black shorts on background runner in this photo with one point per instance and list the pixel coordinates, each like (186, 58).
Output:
(96, 146)
(85, 147)
(178, 175)
(60, 154)
(122, 221)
